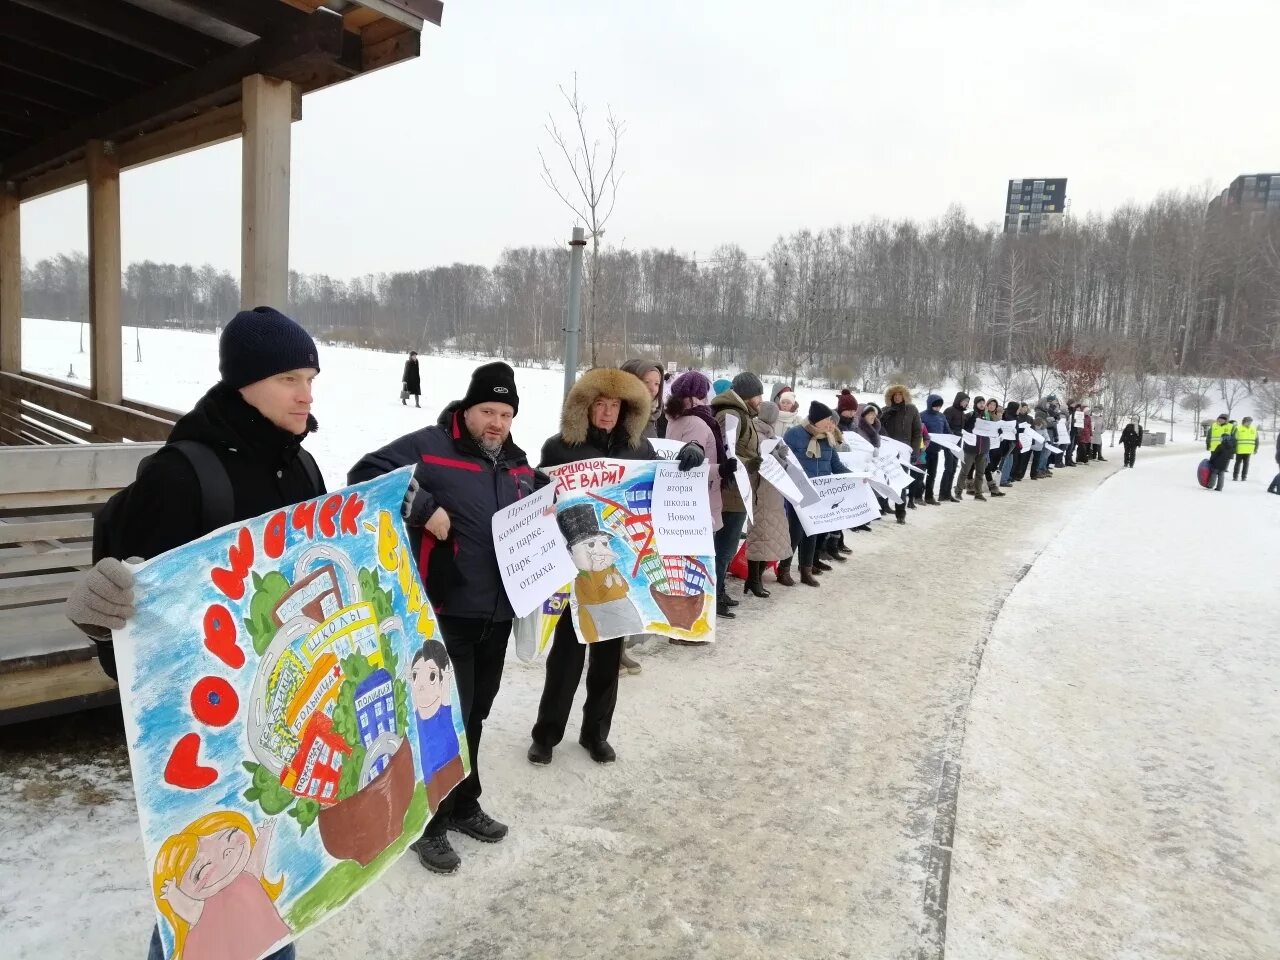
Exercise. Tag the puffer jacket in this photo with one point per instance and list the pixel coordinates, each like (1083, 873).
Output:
(826, 463)
(461, 572)
(935, 421)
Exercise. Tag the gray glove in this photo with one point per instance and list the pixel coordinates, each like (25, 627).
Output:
(104, 596)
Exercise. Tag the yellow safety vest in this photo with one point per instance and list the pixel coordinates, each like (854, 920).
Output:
(1246, 439)
(1217, 432)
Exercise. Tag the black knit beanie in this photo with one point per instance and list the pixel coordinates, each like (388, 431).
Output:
(260, 343)
(492, 383)
(819, 412)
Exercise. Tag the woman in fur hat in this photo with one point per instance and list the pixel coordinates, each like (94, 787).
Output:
(604, 416)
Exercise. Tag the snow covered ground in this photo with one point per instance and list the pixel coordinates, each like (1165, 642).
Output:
(1120, 789)
(778, 794)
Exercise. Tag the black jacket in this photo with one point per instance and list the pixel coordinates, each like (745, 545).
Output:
(460, 573)
(1131, 435)
(162, 509)
(955, 414)
(901, 422)
(411, 380)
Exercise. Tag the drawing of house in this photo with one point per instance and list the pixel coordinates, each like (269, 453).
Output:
(376, 712)
(317, 766)
(316, 695)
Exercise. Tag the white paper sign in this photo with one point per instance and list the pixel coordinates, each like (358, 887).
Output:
(775, 474)
(796, 472)
(682, 511)
(948, 441)
(768, 444)
(740, 477)
(666, 449)
(1079, 418)
(987, 428)
(1052, 449)
(842, 503)
(858, 443)
(1031, 438)
(1064, 432)
(533, 556)
(969, 439)
(895, 448)
(856, 460)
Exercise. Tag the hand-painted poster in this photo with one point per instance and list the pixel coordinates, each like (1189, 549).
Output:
(288, 707)
(624, 586)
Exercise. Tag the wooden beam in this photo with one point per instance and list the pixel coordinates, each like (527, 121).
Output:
(264, 225)
(138, 28)
(252, 16)
(410, 13)
(69, 469)
(14, 83)
(321, 41)
(10, 279)
(52, 68)
(106, 383)
(404, 45)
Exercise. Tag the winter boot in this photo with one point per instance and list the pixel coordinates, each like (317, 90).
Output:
(436, 853)
(628, 664)
(995, 491)
(539, 754)
(820, 567)
(833, 553)
(479, 826)
(783, 573)
(722, 608)
(600, 750)
(845, 549)
(807, 577)
(755, 586)
(930, 499)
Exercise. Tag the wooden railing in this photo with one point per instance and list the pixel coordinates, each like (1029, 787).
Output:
(38, 410)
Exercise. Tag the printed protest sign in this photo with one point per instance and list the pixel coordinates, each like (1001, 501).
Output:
(948, 441)
(1078, 418)
(1064, 432)
(774, 473)
(988, 428)
(740, 476)
(796, 474)
(858, 443)
(895, 448)
(289, 711)
(624, 584)
(533, 557)
(842, 504)
(1031, 438)
(666, 449)
(857, 460)
(682, 511)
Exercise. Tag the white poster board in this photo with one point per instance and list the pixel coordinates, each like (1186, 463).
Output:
(682, 523)
(1078, 418)
(948, 441)
(987, 428)
(842, 504)
(773, 472)
(666, 449)
(533, 556)
(740, 476)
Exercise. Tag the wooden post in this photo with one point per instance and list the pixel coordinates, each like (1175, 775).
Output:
(103, 168)
(10, 280)
(267, 107)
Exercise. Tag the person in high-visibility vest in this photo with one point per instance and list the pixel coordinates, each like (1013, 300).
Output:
(1217, 430)
(1246, 446)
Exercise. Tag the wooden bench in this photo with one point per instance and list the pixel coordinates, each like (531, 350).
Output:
(47, 495)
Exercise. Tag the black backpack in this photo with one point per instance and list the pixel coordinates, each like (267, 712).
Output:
(217, 500)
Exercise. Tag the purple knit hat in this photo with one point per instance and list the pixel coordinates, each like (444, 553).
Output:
(690, 384)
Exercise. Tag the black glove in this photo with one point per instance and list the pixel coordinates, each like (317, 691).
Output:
(728, 468)
(690, 456)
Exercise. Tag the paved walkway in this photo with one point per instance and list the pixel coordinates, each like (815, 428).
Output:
(1121, 786)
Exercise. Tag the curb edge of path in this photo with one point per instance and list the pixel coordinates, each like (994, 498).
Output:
(937, 884)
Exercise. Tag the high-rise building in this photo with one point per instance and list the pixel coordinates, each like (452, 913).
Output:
(1032, 206)
(1249, 193)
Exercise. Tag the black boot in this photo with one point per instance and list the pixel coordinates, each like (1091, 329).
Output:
(755, 585)
(600, 750)
(834, 554)
(820, 567)
(539, 754)
(436, 854)
(807, 577)
(722, 608)
(480, 826)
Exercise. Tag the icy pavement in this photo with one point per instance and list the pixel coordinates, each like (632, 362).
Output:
(1121, 792)
(775, 795)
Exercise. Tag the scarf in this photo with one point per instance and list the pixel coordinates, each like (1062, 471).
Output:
(703, 413)
(814, 450)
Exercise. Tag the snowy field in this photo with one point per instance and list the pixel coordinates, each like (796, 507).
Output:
(778, 795)
(1121, 791)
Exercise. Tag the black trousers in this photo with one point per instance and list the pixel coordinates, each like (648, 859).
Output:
(931, 456)
(1021, 460)
(1130, 454)
(1240, 470)
(948, 474)
(477, 650)
(564, 670)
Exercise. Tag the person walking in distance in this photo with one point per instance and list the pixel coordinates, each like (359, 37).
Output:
(466, 469)
(1246, 447)
(604, 417)
(254, 422)
(736, 406)
(1131, 440)
(411, 381)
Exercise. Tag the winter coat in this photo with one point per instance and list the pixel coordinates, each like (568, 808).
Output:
(826, 463)
(690, 428)
(1131, 435)
(1221, 455)
(981, 445)
(869, 433)
(410, 380)
(769, 537)
(935, 421)
(1007, 446)
(729, 404)
(162, 509)
(454, 473)
(849, 424)
(901, 422)
(657, 421)
(578, 440)
(955, 414)
(1086, 432)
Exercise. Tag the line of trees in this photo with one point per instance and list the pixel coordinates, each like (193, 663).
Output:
(1158, 289)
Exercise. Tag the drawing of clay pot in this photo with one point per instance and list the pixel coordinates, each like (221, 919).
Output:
(365, 824)
(680, 610)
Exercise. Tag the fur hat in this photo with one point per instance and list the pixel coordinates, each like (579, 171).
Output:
(575, 417)
(492, 383)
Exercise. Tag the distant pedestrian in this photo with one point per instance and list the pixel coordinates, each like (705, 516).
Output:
(1131, 440)
(411, 381)
(1246, 447)
(1221, 442)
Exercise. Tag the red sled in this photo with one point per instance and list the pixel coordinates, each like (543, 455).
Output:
(1202, 473)
(738, 565)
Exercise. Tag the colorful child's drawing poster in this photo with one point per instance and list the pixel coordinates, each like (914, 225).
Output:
(288, 703)
(624, 585)
(531, 635)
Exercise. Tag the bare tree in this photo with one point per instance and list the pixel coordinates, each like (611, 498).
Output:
(594, 191)
(1232, 392)
(1171, 388)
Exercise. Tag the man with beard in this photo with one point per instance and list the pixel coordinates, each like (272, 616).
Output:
(466, 469)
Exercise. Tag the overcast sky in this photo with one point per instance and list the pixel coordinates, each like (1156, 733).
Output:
(745, 120)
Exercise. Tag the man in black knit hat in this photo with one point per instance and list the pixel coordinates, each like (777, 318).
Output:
(250, 426)
(466, 469)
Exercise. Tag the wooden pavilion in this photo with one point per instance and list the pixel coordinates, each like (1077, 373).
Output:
(89, 88)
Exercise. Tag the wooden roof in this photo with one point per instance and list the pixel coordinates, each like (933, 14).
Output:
(156, 77)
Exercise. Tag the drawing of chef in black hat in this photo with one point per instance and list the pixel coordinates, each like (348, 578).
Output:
(605, 609)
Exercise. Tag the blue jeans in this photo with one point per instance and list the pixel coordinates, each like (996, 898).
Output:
(1006, 468)
(1042, 461)
(156, 952)
(726, 540)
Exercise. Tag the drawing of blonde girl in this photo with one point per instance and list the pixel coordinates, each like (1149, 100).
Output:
(209, 884)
